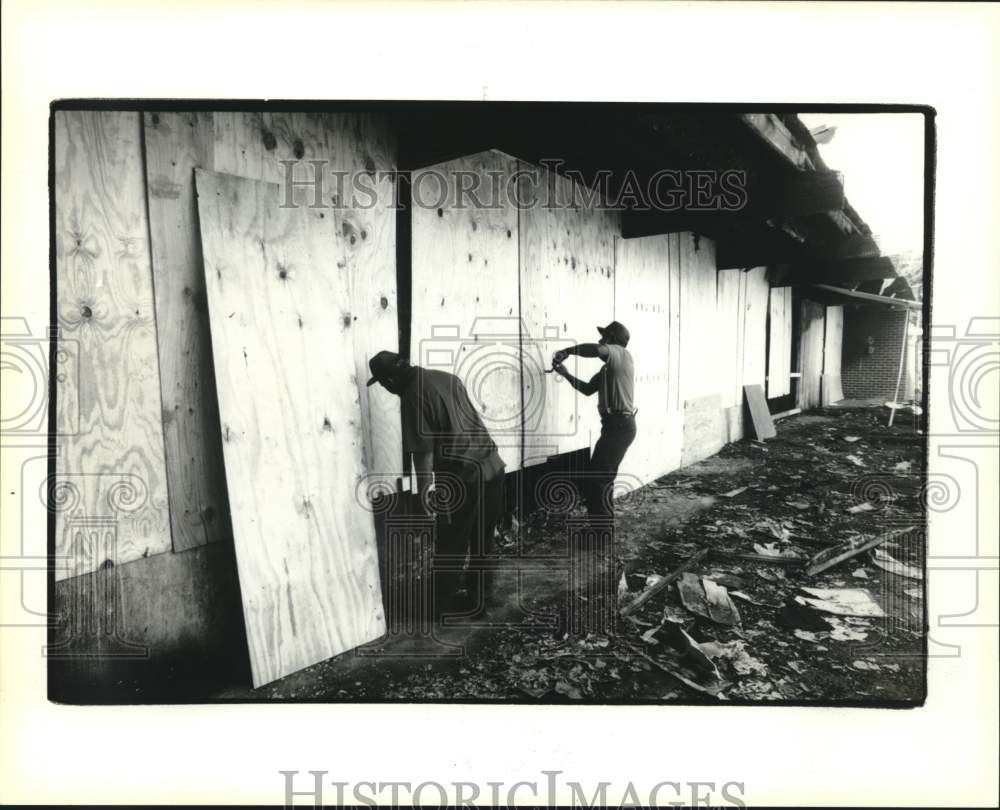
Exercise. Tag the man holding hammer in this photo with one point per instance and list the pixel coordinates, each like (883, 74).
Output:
(614, 385)
(446, 438)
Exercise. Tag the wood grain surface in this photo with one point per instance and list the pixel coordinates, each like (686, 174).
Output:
(176, 144)
(833, 340)
(642, 291)
(779, 359)
(292, 434)
(339, 165)
(567, 290)
(701, 348)
(112, 464)
(811, 355)
(465, 309)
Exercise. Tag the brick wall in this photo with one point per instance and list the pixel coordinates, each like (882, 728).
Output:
(870, 359)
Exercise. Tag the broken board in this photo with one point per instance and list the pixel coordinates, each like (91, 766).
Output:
(292, 436)
(465, 309)
(760, 416)
(109, 456)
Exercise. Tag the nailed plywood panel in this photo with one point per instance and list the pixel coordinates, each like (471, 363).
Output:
(339, 165)
(111, 463)
(700, 373)
(176, 144)
(731, 305)
(704, 428)
(833, 340)
(642, 290)
(567, 289)
(755, 327)
(811, 355)
(832, 344)
(675, 402)
(779, 359)
(731, 315)
(305, 545)
(465, 290)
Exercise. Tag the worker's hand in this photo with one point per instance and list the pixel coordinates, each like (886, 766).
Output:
(559, 357)
(559, 369)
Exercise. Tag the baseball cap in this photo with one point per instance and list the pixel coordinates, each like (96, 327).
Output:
(384, 364)
(615, 330)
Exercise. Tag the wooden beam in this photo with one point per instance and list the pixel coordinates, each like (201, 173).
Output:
(777, 198)
(834, 272)
(868, 297)
(771, 131)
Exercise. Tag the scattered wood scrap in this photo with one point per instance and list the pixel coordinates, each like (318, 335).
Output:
(650, 592)
(852, 548)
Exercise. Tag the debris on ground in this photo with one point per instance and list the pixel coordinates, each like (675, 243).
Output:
(797, 528)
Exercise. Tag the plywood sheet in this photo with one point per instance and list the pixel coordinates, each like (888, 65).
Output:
(305, 544)
(465, 291)
(779, 359)
(177, 143)
(111, 463)
(832, 344)
(704, 428)
(700, 369)
(833, 340)
(811, 355)
(567, 289)
(341, 166)
(642, 290)
(755, 327)
(731, 325)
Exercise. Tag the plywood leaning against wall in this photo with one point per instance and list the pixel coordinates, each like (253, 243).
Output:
(811, 355)
(642, 302)
(110, 490)
(465, 317)
(176, 144)
(567, 265)
(305, 540)
(832, 346)
(779, 357)
(340, 166)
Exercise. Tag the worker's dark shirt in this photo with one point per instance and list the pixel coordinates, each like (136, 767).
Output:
(439, 417)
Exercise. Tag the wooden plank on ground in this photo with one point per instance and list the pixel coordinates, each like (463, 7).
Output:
(177, 143)
(642, 287)
(567, 262)
(110, 464)
(465, 317)
(763, 426)
(292, 437)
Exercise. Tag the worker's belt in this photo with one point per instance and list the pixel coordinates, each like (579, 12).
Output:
(620, 414)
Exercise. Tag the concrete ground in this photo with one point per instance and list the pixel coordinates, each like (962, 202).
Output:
(828, 477)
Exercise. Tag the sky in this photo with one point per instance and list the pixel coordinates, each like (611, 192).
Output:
(881, 157)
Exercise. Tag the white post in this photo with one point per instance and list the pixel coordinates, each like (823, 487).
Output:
(902, 358)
